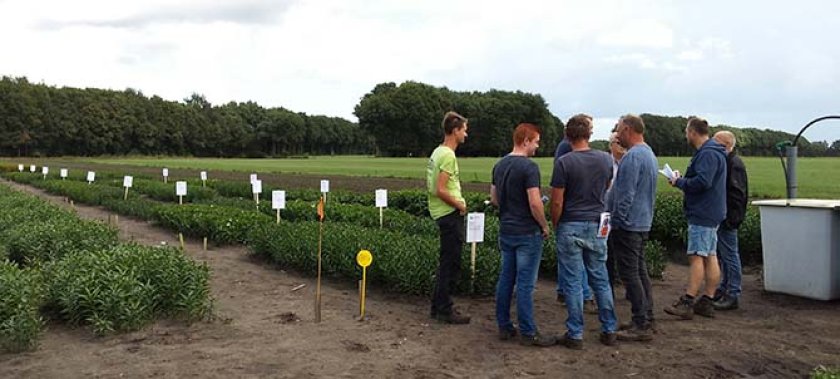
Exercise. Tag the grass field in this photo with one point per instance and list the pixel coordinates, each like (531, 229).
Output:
(818, 177)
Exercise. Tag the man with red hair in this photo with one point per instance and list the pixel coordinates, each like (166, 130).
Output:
(522, 227)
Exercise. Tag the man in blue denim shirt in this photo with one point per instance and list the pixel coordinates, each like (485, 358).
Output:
(516, 191)
(632, 199)
(704, 186)
(579, 183)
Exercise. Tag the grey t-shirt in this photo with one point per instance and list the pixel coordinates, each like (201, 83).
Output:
(585, 176)
(513, 175)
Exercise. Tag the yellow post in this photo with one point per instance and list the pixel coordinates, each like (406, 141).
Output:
(363, 259)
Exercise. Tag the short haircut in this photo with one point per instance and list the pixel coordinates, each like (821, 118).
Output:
(633, 122)
(525, 131)
(579, 127)
(726, 138)
(698, 125)
(452, 121)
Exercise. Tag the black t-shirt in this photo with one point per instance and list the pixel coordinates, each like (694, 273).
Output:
(584, 175)
(513, 175)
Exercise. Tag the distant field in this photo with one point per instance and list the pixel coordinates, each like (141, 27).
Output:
(818, 177)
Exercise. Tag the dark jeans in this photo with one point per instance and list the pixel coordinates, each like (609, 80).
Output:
(630, 256)
(449, 269)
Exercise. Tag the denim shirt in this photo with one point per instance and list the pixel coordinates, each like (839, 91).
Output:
(633, 193)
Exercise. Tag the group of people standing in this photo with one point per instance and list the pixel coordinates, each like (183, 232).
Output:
(601, 211)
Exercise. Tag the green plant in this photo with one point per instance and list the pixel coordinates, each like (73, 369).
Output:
(822, 372)
(20, 298)
(655, 258)
(51, 239)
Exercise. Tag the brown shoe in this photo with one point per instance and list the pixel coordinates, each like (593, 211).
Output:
(608, 339)
(454, 317)
(634, 334)
(682, 308)
(537, 340)
(705, 307)
(570, 343)
(507, 334)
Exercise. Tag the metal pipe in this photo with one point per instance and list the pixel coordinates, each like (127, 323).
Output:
(791, 171)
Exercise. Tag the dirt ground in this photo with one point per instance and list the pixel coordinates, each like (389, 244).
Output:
(264, 328)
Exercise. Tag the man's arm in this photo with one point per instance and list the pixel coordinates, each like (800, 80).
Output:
(624, 190)
(444, 195)
(537, 209)
(705, 169)
(557, 204)
(494, 196)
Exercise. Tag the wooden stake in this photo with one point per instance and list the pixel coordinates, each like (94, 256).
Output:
(180, 200)
(125, 197)
(116, 220)
(318, 282)
(364, 284)
(278, 216)
(181, 239)
(380, 217)
(472, 266)
(205, 243)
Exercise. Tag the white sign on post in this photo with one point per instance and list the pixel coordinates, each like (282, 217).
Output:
(32, 168)
(128, 181)
(256, 186)
(63, 173)
(181, 188)
(204, 175)
(20, 167)
(475, 227)
(45, 170)
(165, 172)
(91, 176)
(381, 198)
(253, 178)
(325, 186)
(278, 199)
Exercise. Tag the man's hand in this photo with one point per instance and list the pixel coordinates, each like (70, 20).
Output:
(462, 209)
(545, 232)
(673, 180)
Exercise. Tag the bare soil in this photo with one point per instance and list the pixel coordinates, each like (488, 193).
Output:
(265, 328)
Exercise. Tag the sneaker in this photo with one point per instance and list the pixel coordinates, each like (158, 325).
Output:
(634, 334)
(453, 317)
(682, 308)
(727, 303)
(570, 342)
(705, 307)
(718, 295)
(537, 340)
(608, 339)
(590, 307)
(507, 334)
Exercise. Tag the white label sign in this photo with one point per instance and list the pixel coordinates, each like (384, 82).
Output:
(475, 227)
(181, 188)
(278, 199)
(63, 172)
(20, 167)
(253, 178)
(325, 186)
(204, 175)
(128, 181)
(32, 168)
(256, 186)
(91, 176)
(45, 170)
(165, 172)
(381, 198)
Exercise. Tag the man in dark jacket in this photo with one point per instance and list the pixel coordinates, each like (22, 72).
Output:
(736, 207)
(704, 186)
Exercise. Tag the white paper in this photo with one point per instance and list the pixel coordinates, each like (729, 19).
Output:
(475, 227)
(91, 176)
(278, 199)
(165, 172)
(128, 181)
(604, 225)
(20, 167)
(45, 170)
(63, 172)
(325, 186)
(204, 175)
(667, 172)
(181, 188)
(381, 198)
(253, 178)
(32, 168)
(256, 186)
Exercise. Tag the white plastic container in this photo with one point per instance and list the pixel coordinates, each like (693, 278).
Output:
(800, 241)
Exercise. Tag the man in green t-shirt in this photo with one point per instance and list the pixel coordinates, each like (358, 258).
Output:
(447, 207)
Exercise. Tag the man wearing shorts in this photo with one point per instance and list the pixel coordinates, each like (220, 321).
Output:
(704, 186)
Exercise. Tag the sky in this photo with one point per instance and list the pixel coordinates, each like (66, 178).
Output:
(765, 64)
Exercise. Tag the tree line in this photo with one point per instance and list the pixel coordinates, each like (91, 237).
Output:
(394, 120)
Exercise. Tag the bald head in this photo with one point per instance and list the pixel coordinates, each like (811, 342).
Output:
(725, 138)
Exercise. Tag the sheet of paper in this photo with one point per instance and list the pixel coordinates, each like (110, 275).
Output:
(63, 172)
(604, 225)
(667, 172)
(381, 198)
(181, 188)
(166, 172)
(204, 175)
(256, 186)
(91, 176)
(278, 199)
(475, 227)
(325, 186)
(128, 181)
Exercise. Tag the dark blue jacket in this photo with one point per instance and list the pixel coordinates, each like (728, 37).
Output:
(704, 185)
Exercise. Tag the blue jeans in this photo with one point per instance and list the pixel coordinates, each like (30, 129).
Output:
(521, 256)
(561, 282)
(730, 262)
(579, 249)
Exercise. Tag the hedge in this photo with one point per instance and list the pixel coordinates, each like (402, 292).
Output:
(20, 298)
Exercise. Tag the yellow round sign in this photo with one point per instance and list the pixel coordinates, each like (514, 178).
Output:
(364, 258)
